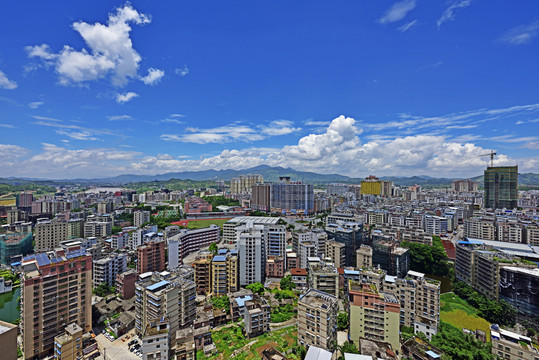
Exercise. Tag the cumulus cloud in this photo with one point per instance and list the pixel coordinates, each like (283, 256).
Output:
(449, 12)
(126, 97)
(110, 51)
(397, 11)
(521, 35)
(5, 83)
(153, 77)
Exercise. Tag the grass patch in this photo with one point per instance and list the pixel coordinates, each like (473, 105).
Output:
(459, 313)
(197, 224)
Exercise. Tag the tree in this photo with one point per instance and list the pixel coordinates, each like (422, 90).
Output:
(347, 347)
(287, 284)
(213, 248)
(459, 345)
(116, 229)
(343, 320)
(256, 288)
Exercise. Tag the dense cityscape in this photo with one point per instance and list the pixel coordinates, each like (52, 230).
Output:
(248, 269)
(275, 180)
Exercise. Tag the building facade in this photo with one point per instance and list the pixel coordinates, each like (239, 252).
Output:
(501, 184)
(317, 319)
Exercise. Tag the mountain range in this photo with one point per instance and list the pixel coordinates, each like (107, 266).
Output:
(269, 173)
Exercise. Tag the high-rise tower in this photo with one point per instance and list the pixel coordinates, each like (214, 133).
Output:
(501, 187)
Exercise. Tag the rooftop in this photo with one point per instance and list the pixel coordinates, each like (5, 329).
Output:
(316, 298)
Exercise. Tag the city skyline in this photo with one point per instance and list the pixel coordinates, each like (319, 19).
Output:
(387, 88)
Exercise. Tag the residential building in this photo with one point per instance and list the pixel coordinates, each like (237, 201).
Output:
(25, 199)
(373, 314)
(251, 248)
(125, 283)
(364, 257)
(164, 303)
(292, 197)
(203, 274)
(351, 235)
(317, 319)
(230, 227)
(260, 197)
(56, 291)
(480, 228)
(275, 266)
(324, 277)
(510, 230)
(189, 241)
(464, 186)
(501, 187)
(224, 272)
(244, 183)
(156, 339)
(8, 340)
(140, 236)
(275, 236)
(436, 225)
(49, 233)
(256, 317)
(306, 250)
(371, 186)
(104, 207)
(512, 346)
(299, 277)
(151, 257)
(68, 346)
(336, 252)
(141, 217)
(106, 269)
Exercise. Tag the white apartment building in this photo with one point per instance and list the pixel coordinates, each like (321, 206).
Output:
(106, 269)
(251, 248)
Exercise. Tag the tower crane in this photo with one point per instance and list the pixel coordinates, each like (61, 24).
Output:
(492, 153)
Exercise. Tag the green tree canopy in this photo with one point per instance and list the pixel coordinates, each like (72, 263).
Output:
(256, 288)
(287, 284)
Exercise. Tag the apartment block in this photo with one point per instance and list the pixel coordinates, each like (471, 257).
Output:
(480, 228)
(156, 339)
(518, 287)
(532, 234)
(8, 340)
(317, 319)
(164, 301)
(125, 283)
(99, 229)
(49, 233)
(141, 217)
(203, 274)
(260, 198)
(336, 252)
(256, 317)
(323, 277)
(68, 346)
(510, 231)
(512, 346)
(12, 246)
(151, 257)
(364, 257)
(392, 258)
(244, 183)
(436, 225)
(478, 263)
(275, 266)
(106, 269)
(373, 314)
(252, 254)
(292, 197)
(190, 241)
(56, 291)
(275, 236)
(225, 272)
(230, 227)
(500, 183)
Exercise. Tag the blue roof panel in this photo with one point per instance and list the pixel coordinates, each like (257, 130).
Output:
(158, 285)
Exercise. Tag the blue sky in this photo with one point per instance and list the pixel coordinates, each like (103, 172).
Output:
(93, 89)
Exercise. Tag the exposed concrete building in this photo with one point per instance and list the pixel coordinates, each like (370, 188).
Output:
(49, 233)
(317, 319)
(336, 252)
(364, 257)
(125, 283)
(141, 217)
(512, 346)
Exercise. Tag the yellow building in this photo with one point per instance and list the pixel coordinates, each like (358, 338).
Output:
(224, 272)
(8, 202)
(371, 188)
(68, 346)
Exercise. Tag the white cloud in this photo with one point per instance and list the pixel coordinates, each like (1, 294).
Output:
(316, 123)
(35, 104)
(521, 35)
(407, 26)
(5, 83)
(119, 117)
(110, 50)
(397, 11)
(534, 145)
(128, 96)
(153, 77)
(449, 13)
(173, 119)
(78, 135)
(278, 127)
(182, 71)
(229, 133)
(7, 126)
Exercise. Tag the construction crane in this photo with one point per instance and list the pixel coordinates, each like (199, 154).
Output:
(492, 153)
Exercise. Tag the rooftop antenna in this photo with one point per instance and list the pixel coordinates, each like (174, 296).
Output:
(492, 153)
